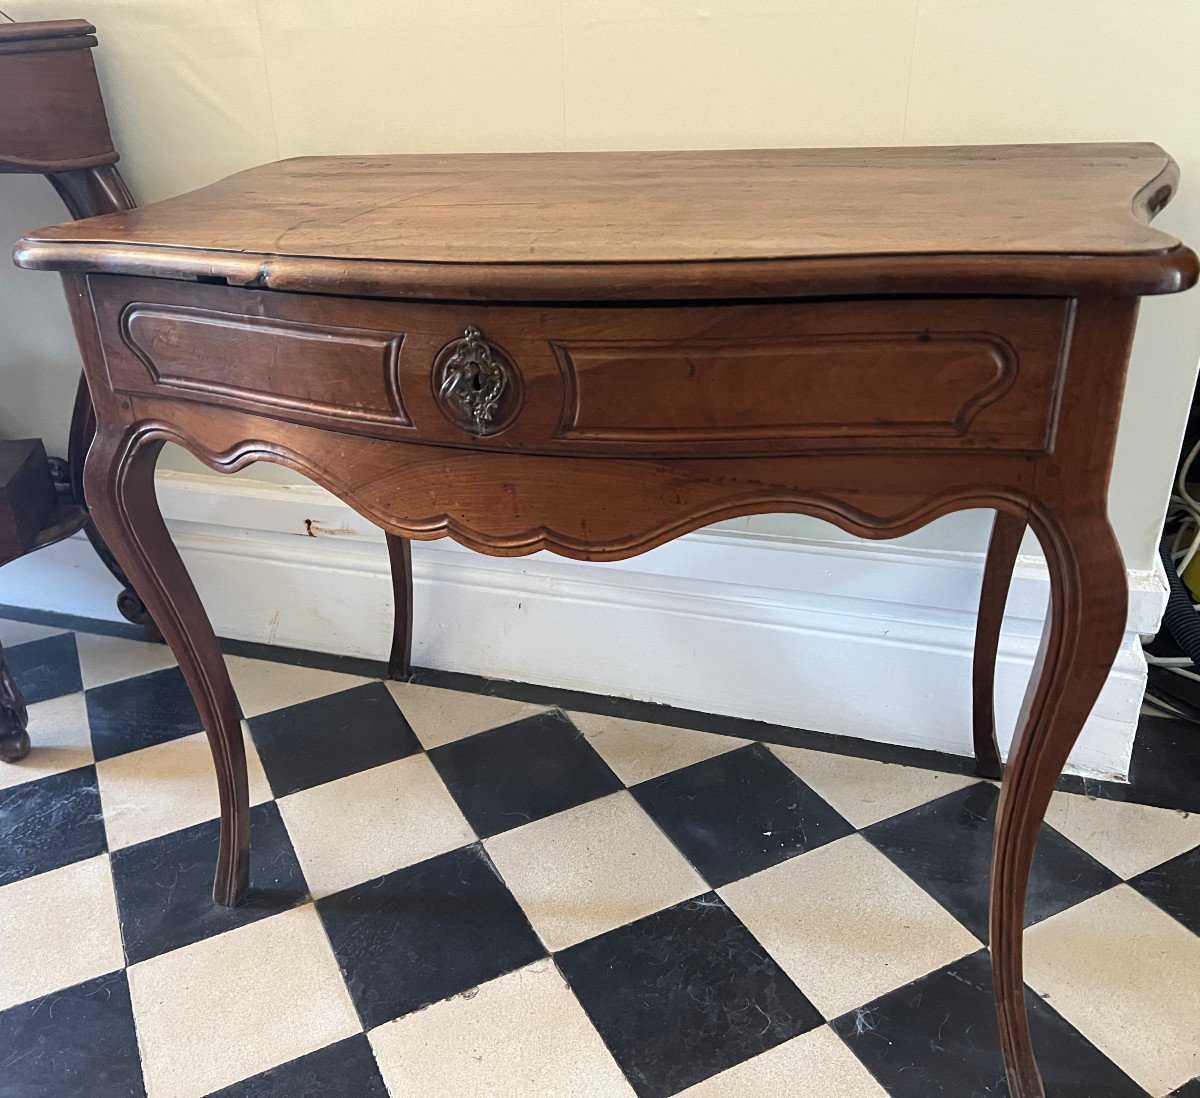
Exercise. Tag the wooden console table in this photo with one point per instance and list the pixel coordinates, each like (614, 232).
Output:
(595, 353)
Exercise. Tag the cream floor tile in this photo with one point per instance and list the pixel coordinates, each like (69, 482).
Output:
(60, 740)
(866, 791)
(814, 1065)
(440, 716)
(165, 788)
(13, 633)
(1128, 838)
(107, 659)
(263, 686)
(362, 826)
(1127, 976)
(238, 1003)
(523, 1035)
(61, 928)
(846, 924)
(638, 751)
(593, 868)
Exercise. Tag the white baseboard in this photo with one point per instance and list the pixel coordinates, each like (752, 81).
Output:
(862, 639)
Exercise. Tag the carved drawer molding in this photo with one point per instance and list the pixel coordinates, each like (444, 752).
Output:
(205, 351)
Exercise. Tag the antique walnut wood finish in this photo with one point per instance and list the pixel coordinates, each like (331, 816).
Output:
(874, 337)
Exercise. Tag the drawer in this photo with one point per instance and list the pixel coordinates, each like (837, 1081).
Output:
(958, 373)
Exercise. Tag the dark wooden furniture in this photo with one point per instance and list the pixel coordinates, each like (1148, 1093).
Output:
(53, 123)
(27, 493)
(595, 353)
(32, 515)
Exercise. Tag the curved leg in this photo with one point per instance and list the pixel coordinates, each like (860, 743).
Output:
(1088, 607)
(119, 476)
(14, 718)
(1007, 532)
(68, 477)
(400, 660)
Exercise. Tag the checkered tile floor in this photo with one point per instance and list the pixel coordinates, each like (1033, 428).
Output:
(460, 894)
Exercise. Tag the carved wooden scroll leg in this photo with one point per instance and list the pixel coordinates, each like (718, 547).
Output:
(1088, 607)
(400, 660)
(1007, 532)
(119, 475)
(14, 718)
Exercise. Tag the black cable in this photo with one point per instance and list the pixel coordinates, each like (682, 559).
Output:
(1180, 618)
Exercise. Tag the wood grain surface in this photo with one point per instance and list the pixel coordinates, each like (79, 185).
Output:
(736, 223)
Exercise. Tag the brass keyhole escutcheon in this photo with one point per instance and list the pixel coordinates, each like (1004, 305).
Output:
(472, 380)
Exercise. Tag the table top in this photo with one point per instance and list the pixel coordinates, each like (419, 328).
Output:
(573, 224)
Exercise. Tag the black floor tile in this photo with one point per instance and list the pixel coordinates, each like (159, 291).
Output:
(331, 737)
(522, 772)
(739, 813)
(938, 1037)
(1165, 768)
(684, 994)
(130, 714)
(426, 932)
(164, 885)
(345, 1068)
(46, 668)
(79, 1041)
(49, 823)
(946, 847)
(1188, 1090)
(1175, 887)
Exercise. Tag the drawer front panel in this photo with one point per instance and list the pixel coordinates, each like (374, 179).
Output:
(340, 372)
(802, 376)
(826, 386)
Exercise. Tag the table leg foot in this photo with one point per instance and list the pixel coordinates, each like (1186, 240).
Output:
(14, 741)
(14, 744)
(1007, 532)
(119, 478)
(1088, 606)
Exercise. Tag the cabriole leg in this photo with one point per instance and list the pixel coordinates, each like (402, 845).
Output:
(1088, 607)
(1007, 532)
(119, 478)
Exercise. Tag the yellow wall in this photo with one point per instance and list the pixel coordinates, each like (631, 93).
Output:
(197, 89)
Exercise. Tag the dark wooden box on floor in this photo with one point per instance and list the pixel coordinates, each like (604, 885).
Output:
(26, 494)
(596, 353)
